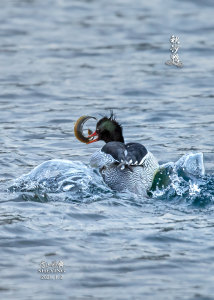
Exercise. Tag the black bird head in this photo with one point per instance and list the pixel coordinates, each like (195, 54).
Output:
(108, 130)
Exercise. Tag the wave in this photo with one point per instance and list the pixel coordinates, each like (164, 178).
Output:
(184, 182)
(61, 179)
(64, 180)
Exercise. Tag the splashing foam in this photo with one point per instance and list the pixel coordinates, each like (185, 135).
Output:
(73, 178)
(194, 189)
(73, 181)
(186, 181)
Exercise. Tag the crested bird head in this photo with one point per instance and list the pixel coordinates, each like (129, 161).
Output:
(107, 130)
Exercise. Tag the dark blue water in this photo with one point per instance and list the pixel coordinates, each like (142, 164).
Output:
(62, 59)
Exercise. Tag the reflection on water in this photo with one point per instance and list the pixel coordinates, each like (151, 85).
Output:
(62, 59)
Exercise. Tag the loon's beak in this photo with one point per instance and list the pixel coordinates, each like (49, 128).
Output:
(93, 135)
(78, 130)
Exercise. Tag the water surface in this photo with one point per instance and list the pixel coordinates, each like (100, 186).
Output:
(62, 59)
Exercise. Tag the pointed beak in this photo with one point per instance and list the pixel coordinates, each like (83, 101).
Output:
(93, 135)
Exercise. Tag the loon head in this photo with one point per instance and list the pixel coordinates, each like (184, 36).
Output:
(108, 130)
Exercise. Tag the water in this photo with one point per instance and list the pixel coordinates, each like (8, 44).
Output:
(62, 59)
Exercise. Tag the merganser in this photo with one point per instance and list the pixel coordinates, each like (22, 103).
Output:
(123, 166)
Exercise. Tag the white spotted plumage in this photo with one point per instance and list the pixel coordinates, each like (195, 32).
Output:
(137, 179)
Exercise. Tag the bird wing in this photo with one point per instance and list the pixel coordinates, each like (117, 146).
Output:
(131, 154)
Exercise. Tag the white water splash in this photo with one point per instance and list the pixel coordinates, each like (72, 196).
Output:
(194, 189)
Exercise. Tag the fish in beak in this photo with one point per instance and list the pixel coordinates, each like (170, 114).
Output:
(78, 131)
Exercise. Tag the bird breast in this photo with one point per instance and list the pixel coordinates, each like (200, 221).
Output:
(138, 180)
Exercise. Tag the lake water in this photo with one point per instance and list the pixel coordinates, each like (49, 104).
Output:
(62, 59)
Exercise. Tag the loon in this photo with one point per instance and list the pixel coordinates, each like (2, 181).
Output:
(124, 167)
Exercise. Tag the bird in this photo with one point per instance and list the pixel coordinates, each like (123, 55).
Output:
(123, 166)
